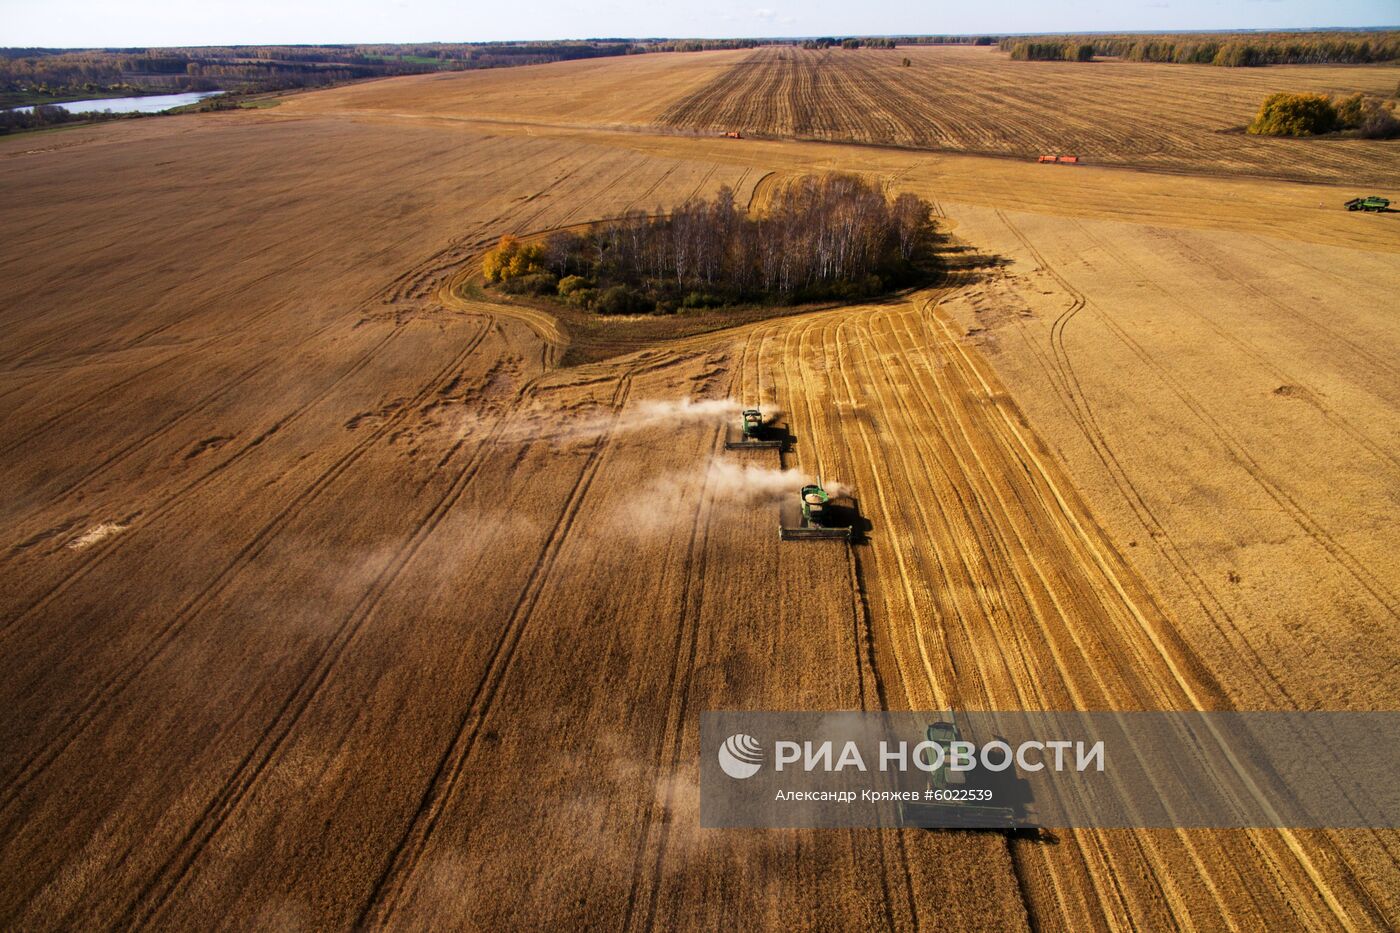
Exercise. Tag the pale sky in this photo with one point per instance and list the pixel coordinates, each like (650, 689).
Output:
(97, 23)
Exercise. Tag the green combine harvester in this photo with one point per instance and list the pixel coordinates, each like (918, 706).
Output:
(954, 813)
(1374, 204)
(754, 433)
(816, 517)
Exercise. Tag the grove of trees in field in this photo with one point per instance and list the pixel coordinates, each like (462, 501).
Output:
(836, 236)
(1230, 50)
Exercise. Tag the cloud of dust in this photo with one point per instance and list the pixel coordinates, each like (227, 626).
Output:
(670, 501)
(752, 484)
(837, 489)
(545, 424)
(651, 414)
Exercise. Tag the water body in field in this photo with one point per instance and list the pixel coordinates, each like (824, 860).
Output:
(153, 104)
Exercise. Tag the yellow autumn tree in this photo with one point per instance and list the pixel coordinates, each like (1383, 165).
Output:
(512, 259)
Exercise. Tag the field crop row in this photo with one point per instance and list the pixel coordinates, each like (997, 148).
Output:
(1182, 118)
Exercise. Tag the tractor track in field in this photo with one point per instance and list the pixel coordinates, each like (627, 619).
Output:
(384, 897)
(1002, 614)
(615, 176)
(879, 355)
(95, 555)
(546, 194)
(753, 377)
(212, 298)
(700, 185)
(642, 198)
(97, 699)
(1060, 372)
(124, 452)
(1241, 455)
(1246, 347)
(266, 751)
(1286, 839)
(672, 737)
(1379, 362)
(46, 423)
(96, 398)
(165, 427)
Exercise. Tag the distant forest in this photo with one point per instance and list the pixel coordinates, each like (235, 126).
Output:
(30, 76)
(1233, 50)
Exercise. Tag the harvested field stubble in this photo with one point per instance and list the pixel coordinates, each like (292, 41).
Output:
(331, 597)
(1176, 117)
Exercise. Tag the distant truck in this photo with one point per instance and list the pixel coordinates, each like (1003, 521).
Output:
(734, 134)
(1373, 203)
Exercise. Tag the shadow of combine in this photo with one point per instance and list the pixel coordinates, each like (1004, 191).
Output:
(846, 514)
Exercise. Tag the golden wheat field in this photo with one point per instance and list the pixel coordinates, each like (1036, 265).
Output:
(338, 592)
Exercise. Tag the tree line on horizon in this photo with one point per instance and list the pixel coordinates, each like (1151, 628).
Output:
(1048, 51)
(44, 116)
(837, 236)
(33, 75)
(1232, 50)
